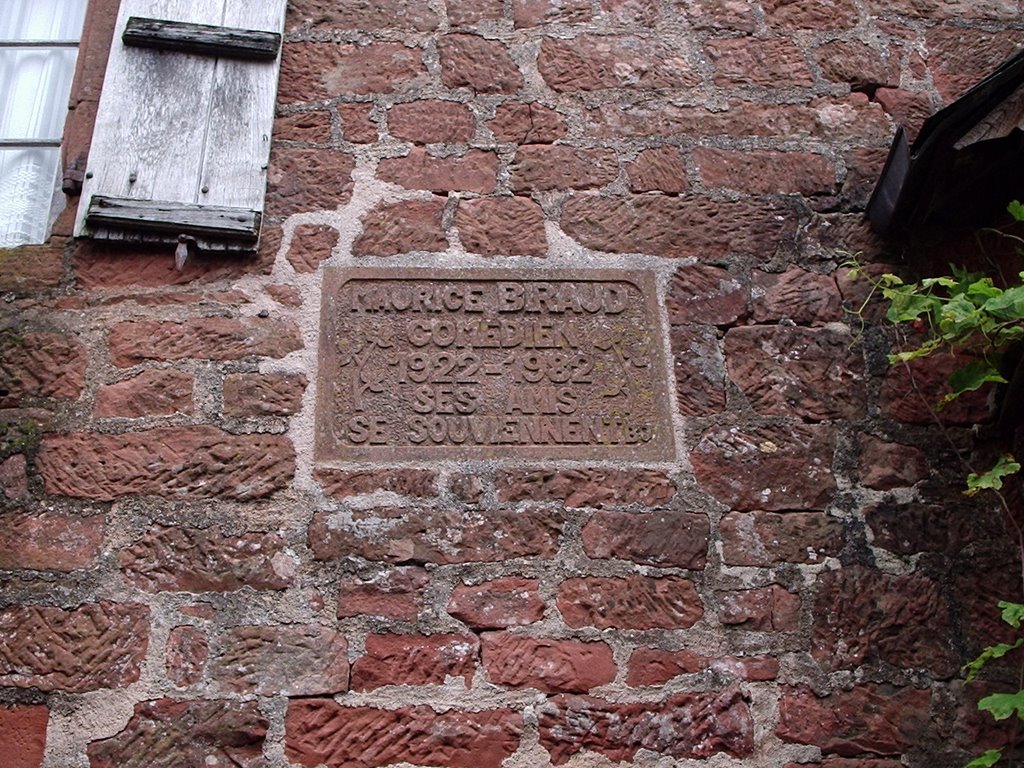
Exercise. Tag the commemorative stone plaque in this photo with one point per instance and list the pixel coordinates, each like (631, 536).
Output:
(419, 364)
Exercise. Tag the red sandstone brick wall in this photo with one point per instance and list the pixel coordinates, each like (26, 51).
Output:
(183, 586)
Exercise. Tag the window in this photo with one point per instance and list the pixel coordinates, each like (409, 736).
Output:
(38, 49)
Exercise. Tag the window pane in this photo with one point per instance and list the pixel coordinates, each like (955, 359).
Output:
(27, 180)
(34, 88)
(41, 19)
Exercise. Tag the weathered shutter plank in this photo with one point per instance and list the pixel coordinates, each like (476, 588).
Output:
(174, 218)
(201, 39)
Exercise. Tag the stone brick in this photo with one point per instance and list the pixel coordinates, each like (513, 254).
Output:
(502, 226)
(362, 15)
(768, 538)
(474, 171)
(211, 338)
(323, 70)
(181, 463)
(543, 167)
(430, 121)
(159, 392)
(634, 602)
(699, 370)
(813, 373)
(497, 604)
(811, 14)
(341, 483)
(868, 719)
(186, 732)
(947, 9)
(396, 593)
(960, 57)
(263, 394)
(466, 13)
(706, 294)
(651, 224)
(733, 15)
(910, 392)
(183, 559)
(662, 169)
(435, 536)
(526, 123)
(595, 62)
(632, 12)
(842, 762)
(549, 665)
(806, 298)
(485, 66)
(469, 488)
(307, 127)
(535, 13)
(285, 295)
(301, 180)
(23, 734)
(652, 666)
(597, 487)
(687, 725)
(31, 268)
(311, 246)
(664, 539)
(849, 61)
(863, 168)
(281, 661)
(775, 62)
(45, 540)
(863, 616)
(414, 660)
(13, 475)
(185, 655)
(766, 172)
(767, 468)
(356, 124)
(93, 646)
(910, 527)
(40, 365)
(766, 609)
(908, 109)
(323, 732)
(885, 465)
(410, 225)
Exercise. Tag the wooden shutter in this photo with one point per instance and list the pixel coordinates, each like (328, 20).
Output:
(182, 135)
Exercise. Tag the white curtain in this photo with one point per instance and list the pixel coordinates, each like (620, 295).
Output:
(35, 83)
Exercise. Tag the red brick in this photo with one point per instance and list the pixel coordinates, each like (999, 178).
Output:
(34, 365)
(356, 124)
(885, 465)
(186, 732)
(872, 719)
(775, 62)
(542, 167)
(806, 298)
(301, 180)
(592, 62)
(642, 12)
(181, 463)
(816, 374)
(910, 527)
(497, 604)
(651, 224)
(285, 295)
(31, 268)
(340, 484)
(13, 476)
(849, 61)
(362, 15)
(395, 594)
(414, 660)
(706, 294)
(323, 732)
(549, 665)
(947, 9)
(410, 225)
(159, 392)
(811, 14)
(311, 246)
(465, 13)
(50, 540)
(185, 655)
(768, 538)
(652, 666)
(635, 602)
(911, 392)
(733, 15)
(263, 394)
(960, 57)
(323, 70)
(662, 169)
(307, 127)
(766, 468)
(766, 172)
(665, 539)
(474, 171)
(586, 487)
(485, 66)
(687, 725)
(908, 108)
(211, 338)
(699, 370)
(185, 559)
(23, 734)
(430, 121)
(435, 536)
(502, 226)
(526, 123)
(101, 265)
(766, 609)
(93, 646)
(281, 661)
(863, 616)
(534, 13)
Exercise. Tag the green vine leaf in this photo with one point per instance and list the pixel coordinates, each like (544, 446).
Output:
(993, 478)
(1013, 613)
(971, 669)
(986, 760)
(1002, 705)
(970, 377)
(1016, 210)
